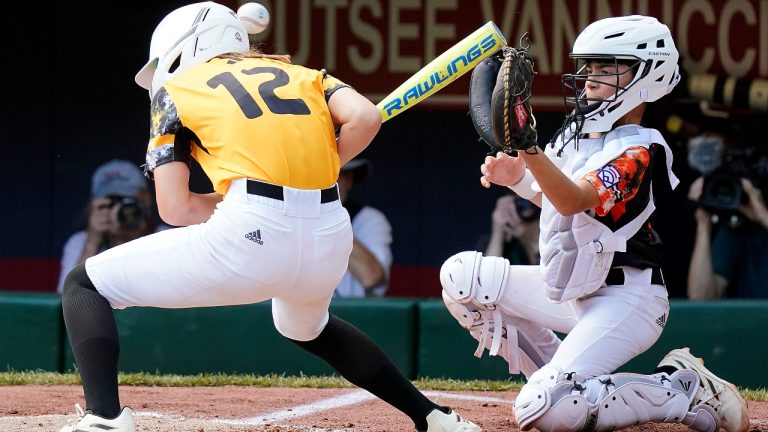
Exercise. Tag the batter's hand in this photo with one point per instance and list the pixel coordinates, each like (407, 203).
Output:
(502, 169)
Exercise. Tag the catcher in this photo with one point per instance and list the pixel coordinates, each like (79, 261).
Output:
(600, 278)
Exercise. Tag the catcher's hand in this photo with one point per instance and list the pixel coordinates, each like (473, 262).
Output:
(502, 114)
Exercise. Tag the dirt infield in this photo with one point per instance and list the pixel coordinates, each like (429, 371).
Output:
(209, 409)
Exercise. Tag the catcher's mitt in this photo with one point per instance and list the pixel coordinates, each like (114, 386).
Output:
(480, 94)
(502, 113)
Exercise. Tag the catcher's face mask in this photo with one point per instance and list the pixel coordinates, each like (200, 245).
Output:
(596, 81)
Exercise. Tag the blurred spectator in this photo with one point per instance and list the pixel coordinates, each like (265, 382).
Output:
(735, 263)
(120, 210)
(514, 231)
(369, 264)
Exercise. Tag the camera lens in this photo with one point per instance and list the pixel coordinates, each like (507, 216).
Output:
(130, 212)
(721, 192)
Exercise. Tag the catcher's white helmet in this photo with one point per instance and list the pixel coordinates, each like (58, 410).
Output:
(639, 41)
(188, 36)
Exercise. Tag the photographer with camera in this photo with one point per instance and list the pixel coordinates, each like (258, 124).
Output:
(514, 231)
(729, 258)
(120, 210)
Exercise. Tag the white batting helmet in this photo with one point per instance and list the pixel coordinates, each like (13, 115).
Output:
(188, 36)
(641, 41)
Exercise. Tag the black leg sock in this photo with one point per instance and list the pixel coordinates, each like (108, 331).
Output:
(93, 334)
(358, 359)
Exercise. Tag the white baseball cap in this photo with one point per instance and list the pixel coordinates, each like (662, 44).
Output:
(117, 177)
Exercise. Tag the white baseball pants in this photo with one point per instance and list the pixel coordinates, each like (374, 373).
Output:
(604, 330)
(252, 249)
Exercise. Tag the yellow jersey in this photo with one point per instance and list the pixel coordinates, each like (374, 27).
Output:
(248, 117)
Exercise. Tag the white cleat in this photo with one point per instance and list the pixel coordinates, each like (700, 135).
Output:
(439, 421)
(719, 394)
(88, 422)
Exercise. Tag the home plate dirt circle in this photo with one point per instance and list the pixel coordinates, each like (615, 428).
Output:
(235, 408)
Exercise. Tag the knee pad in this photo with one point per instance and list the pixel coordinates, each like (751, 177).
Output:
(553, 401)
(469, 277)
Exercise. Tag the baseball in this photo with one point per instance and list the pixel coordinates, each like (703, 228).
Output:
(254, 16)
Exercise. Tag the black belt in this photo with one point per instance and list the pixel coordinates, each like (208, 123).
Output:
(276, 192)
(616, 276)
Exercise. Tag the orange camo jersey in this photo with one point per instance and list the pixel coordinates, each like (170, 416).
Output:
(251, 117)
(619, 180)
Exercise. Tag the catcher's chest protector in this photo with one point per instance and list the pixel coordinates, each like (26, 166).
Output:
(577, 251)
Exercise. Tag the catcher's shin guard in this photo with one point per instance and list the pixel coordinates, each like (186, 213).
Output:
(556, 402)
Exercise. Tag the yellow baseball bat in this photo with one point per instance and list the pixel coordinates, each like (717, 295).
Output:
(443, 70)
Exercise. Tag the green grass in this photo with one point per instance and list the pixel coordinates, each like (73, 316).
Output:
(273, 380)
(220, 379)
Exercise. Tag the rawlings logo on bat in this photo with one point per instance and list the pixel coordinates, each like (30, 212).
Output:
(446, 68)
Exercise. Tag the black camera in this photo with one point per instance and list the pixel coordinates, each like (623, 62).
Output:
(130, 211)
(722, 192)
(527, 210)
(723, 168)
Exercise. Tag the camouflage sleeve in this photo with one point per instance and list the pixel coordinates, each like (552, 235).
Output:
(331, 84)
(165, 136)
(619, 180)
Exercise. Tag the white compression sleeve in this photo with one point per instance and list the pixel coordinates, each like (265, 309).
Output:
(523, 187)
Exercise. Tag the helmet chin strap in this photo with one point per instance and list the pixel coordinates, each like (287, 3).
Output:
(574, 122)
(568, 132)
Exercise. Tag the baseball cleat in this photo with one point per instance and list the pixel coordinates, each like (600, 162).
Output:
(439, 421)
(88, 422)
(719, 394)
